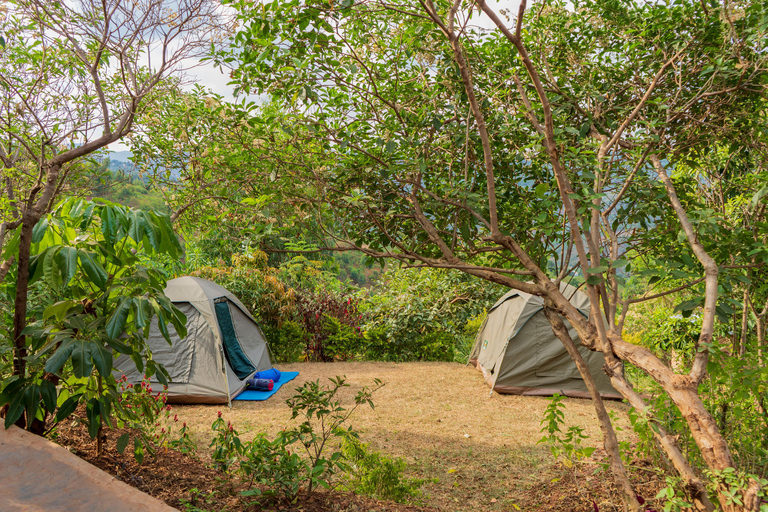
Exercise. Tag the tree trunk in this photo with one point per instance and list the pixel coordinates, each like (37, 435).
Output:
(693, 484)
(610, 441)
(29, 219)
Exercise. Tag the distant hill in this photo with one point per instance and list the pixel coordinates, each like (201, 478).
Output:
(119, 161)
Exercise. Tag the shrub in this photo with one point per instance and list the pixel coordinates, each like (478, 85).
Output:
(287, 342)
(467, 340)
(422, 313)
(272, 464)
(149, 416)
(343, 342)
(324, 309)
(376, 475)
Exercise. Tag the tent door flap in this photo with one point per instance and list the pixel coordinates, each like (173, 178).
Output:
(233, 351)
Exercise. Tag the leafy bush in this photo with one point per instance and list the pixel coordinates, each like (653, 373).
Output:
(99, 262)
(287, 342)
(344, 342)
(226, 444)
(432, 346)
(467, 340)
(272, 464)
(422, 314)
(331, 320)
(147, 413)
(374, 474)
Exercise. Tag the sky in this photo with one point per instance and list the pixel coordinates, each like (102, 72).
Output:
(208, 76)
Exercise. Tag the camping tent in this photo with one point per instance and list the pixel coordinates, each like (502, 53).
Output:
(519, 354)
(223, 347)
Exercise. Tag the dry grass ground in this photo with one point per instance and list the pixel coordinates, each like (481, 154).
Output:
(478, 452)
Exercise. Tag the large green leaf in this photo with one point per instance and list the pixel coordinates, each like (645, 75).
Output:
(51, 271)
(68, 407)
(31, 401)
(59, 309)
(48, 393)
(93, 269)
(15, 410)
(163, 325)
(38, 232)
(67, 264)
(141, 312)
(56, 362)
(116, 322)
(102, 359)
(109, 224)
(82, 362)
(122, 442)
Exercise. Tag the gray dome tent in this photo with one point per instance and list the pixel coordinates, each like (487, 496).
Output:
(223, 347)
(519, 354)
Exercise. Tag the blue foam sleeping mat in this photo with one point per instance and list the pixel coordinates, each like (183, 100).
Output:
(258, 396)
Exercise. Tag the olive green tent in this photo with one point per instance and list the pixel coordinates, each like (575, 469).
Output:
(519, 354)
(223, 347)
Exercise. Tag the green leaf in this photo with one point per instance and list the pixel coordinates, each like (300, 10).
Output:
(93, 413)
(141, 308)
(465, 232)
(93, 269)
(68, 264)
(116, 322)
(48, 392)
(109, 224)
(122, 442)
(758, 196)
(163, 325)
(102, 359)
(138, 450)
(59, 309)
(68, 407)
(688, 305)
(31, 401)
(51, 272)
(594, 280)
(82, 362)
(597, 270)
(15, 410)
(56, 362)
(12, 244)
(38, 232)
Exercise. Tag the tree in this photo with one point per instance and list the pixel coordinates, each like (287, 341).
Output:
(73, 79)
(95, 296)
(503, 153)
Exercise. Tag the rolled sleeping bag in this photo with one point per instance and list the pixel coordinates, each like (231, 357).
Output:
(260, 384)
(272, 374)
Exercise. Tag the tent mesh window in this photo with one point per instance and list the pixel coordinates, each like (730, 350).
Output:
(238, 361)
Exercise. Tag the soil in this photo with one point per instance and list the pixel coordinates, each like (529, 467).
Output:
(475, 451)
(186, 483)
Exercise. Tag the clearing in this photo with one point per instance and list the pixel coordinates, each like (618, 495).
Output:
(478, 452)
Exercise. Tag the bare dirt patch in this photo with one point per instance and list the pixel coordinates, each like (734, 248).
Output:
(478, 451)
